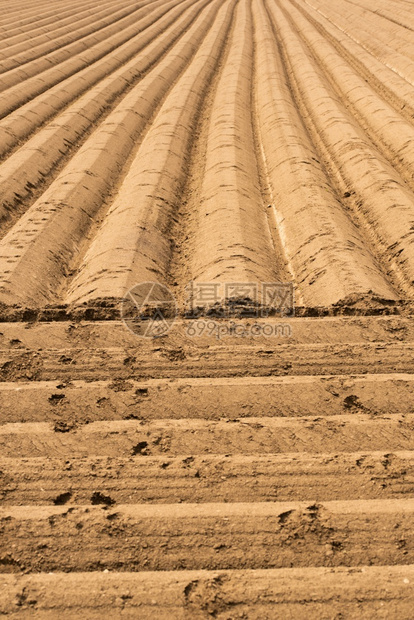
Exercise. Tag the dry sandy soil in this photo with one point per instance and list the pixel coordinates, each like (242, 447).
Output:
(191, 476)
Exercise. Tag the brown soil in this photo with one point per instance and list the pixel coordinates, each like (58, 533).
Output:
(211, 474)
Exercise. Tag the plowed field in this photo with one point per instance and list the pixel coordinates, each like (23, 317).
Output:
(223, 473)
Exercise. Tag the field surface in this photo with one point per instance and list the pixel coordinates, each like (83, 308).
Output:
(207, 474)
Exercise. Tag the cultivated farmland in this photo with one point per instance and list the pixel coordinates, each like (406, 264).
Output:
(258, 470)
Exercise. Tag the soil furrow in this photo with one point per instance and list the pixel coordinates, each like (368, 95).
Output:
(201, 479)
(256, 594)
(178, 361)
(388, 55)
(390, 86)
(21, 123)
(73, 199)
(231, 460)
(133, 244)
(390, 133)
(47, 25)
(378, 197)
(231, 241)
(162, 537)
(43, 44)
(211, 399)
(34, 165)
(391, 15)
(384, 29)
(43, 10)
(37, 84)
(247, 436)
(79, 26)
(36, 67)
(326, 251)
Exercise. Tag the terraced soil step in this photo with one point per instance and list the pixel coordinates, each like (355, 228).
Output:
(363, 592)
(206, 398)
(167, 479)
(207, 536)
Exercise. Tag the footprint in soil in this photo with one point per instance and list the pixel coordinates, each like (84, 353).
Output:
(208, 595)
(64, 427)
(100, 498)
(352, 402)
(54, 399)
(62, 499)
(141, 448)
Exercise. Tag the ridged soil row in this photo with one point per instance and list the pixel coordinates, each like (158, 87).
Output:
(381, 28)
(35, 164)
(231, 240)
(22, 24)
(355, 9)
(133, 243)
(215, 399)
(21, 123)
(179, 269)
(214, 361)
(177, 536)
(41, 481)
(174, 437)
(398, 62)
(60, 219)
(388, 84)
(257, 595)
(377, 195)
(84, 54)
(394, 11)
(47, 25)
(308, 214)
(387, 129)
(14, 18)
(30, 65)
(307, 474)
(16, 55)
(398, 33)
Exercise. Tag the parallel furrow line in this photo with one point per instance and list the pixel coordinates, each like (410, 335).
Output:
(21, 123)
(48, 24)
(212, 398)
(25, 173)
(207, 478)
(310, 219)
(387, 129)
(256, 594)
(396, 61)
(25, 24)
(386, 14)
(231, 241)
(390, 86)
(163, 537)
(62, 217)
(175, 437)
(136, 362)
(133, 243)
(36, 84)
(43, 45)
(376, 192)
